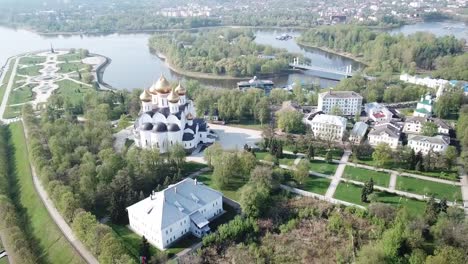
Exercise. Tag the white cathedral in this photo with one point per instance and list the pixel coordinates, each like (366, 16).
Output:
(168, 118)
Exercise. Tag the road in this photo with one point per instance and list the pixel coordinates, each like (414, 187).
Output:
(57, 217)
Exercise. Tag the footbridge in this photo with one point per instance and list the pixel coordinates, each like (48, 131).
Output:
(326, 73)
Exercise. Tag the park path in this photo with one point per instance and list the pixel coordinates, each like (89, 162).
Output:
(393, 180)
(464, 188)
(338, 174)
(7, 92)
(57, 217)
(297, 160)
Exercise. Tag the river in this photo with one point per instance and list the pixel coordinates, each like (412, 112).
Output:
(133, 66)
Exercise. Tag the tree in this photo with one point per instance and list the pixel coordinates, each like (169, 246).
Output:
(336, 110)
(432, 211)
(329, 157)
(451, 155)
(301, 172)
(87, 78)
(364, 194)
(429, 129)
(212, 152)
(290, 121)
(177, 155)
(447, 254)
(310, 152)
(144, 252)
(254, 199)
(226, 168)
(263, 110)
(382, 155)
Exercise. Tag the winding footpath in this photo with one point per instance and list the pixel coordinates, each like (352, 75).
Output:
(57, 217)
(53, 212)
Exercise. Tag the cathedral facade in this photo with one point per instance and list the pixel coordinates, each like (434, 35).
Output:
(168, 118)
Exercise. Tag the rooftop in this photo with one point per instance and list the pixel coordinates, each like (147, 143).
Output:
(330, 119)
(340, 94)
(359, 129)
(174, 203)
(440, 140)
(386, 128)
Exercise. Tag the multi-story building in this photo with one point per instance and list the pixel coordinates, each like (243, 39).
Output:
(414, 125)
(328, 127)
(183, 208)
(345, 102)
(377, 112)
(425, 144)
(388, 133)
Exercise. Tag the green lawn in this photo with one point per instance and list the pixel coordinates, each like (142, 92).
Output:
(45, 235)
(191, 167)
(72, 91)
(30, 70)
(70, 56)
(21, 95)
(316, 184)
(352, 193)
(32, 60)
(71, 67)
(323, 167)
(231, 191)
(423, 187)
(336, 153)
(248, 124)
(4, 260)
(448, 175)
(12, 111)
(363, 175)
(6, 78)
(288, 159)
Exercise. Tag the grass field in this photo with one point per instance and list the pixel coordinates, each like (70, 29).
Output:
(71, 67)
(423, 187)
(191, 167)
(12, 111)
(47, 237)
(30, 70)
(323, 167)
(316, 184)
(363, 175)
(32, 60)
(73, 91)
(130, 240)
(247, 124)
(232, 190)
(20, 95)
(288, 159)
(352, 193)
(70, 57)
(6, 78)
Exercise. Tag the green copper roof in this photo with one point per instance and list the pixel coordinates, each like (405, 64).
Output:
(422, 110)
(426, 102)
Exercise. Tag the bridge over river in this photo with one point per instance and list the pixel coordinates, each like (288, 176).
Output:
(337, 74)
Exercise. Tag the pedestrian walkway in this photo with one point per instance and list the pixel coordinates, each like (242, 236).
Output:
(318, 196)
(58, 218)
(393, 181)
(338, 174)
(297, 160)
(464, 188)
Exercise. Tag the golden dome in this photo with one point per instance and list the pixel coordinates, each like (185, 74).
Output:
(173, 97)
(145, 96)
(161, 86)
(180, 90)
(189, 116)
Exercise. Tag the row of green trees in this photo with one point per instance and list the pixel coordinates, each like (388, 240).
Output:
(462, 134)
(383, 52)
(228, 51)
(11, 223)
(84, 175)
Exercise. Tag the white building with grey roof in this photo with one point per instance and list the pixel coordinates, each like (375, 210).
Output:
(389, 133)
(182, 208)
(328, 127)
(425, 144)
(168, 118)
(347, 102)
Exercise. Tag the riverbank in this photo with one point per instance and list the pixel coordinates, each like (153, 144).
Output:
(339, 53)
(210, 76)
